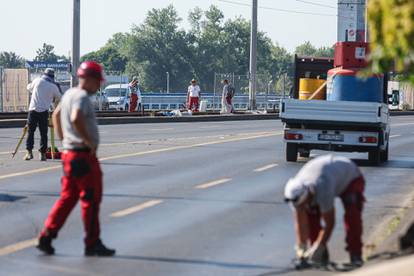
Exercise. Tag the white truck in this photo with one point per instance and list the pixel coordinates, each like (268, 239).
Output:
(344, 126)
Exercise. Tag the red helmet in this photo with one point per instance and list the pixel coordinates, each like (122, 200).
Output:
(91, 69)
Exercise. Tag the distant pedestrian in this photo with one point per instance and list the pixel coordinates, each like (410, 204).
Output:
(133, 88)
(312, 193)
(193, 96)
(76, 126)
(44, 90)
(227, 98)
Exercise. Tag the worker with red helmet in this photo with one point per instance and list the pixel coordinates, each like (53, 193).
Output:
(312, 193)
(133, 88)
(76, 125)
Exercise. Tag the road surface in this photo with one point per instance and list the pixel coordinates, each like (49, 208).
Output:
(184, 199)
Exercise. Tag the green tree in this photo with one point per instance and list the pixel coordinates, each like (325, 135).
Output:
(46, 53)
(305, 49)
(392, 36)
(11, 60)
(109, 57)
(158, 46)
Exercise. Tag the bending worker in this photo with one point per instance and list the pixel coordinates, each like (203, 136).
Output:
(133, 87)
(44, 91)
(312, 193)
(75, 122)
(193, 96)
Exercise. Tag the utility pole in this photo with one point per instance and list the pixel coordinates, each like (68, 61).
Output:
(366, 22)
(253, 58)
(75, 42)
(168, 82)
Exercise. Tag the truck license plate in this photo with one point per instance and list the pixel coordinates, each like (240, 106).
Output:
(331, 137)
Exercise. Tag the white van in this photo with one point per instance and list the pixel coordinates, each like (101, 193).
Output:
(118, 96)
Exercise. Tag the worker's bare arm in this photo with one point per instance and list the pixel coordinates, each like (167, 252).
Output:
(301, 226)
(56, 122)
(326, 232)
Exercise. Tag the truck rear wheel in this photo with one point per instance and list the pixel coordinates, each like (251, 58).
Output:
(384, 155)
(291, 152)
(304, 153)
(374, 157)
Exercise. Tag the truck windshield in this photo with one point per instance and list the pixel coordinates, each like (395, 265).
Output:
(115, 92)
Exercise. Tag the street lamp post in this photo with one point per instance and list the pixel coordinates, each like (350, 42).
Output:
(253, 58)
(168, 82)
(75, 42)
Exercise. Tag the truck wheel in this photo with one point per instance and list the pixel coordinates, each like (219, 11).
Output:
(291, 152)
(384, 155)
(374, 157)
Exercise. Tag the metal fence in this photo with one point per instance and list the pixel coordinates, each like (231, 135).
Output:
(266, 89)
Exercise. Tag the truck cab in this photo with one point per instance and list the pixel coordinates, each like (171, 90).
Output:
(344, 126)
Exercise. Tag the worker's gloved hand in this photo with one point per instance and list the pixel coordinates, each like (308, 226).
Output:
(318, 254)
(300, 250)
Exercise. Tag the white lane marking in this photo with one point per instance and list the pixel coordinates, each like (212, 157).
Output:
(265, 168)
(113, 157)
(161, 129)
(402, 124)
(135, 209)
(17, 247)
(395, 136)
(213, 183)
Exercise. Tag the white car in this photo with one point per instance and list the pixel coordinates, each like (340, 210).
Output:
(118, 96)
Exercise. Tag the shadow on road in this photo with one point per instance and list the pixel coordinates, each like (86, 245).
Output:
(126, 164)
(194, 262)
(150, 197)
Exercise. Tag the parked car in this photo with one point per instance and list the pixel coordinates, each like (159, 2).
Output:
(118, 96)
(99, 101)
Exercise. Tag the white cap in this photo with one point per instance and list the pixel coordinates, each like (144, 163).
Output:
(296, 191)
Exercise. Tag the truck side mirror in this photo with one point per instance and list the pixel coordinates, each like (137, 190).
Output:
(394, 98)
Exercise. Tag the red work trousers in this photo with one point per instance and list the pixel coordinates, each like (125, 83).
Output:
(353, 202)
(133, 102)
(82, 180)
(193, 101)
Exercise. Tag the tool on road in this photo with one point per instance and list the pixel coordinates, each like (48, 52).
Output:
(20, 141)
(52, 152)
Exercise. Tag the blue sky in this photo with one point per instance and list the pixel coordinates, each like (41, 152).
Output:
(26, 24)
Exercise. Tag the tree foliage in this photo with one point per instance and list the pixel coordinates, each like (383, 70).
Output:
(11, 60)
(392, 36)
(307, 49)
(211, 45)
(46, 53)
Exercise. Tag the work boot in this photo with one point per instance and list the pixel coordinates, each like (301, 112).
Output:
(99, 249)
(42, 156)
(356, 261)
(28, 156)
(45, 245)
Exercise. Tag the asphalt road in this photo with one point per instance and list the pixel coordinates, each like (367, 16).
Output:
(184, 199)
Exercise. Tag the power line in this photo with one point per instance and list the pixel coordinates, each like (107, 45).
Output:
(277, 9)
(316, 4)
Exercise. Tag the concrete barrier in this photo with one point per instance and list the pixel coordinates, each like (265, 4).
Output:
(12, 123)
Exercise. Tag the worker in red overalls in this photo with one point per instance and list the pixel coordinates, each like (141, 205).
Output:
(76, 125)
(312, 193)
(193, 96)
(133, 88)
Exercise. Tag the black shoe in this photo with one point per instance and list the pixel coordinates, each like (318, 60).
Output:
(356, 261)
(45, 245)
(99, 249)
